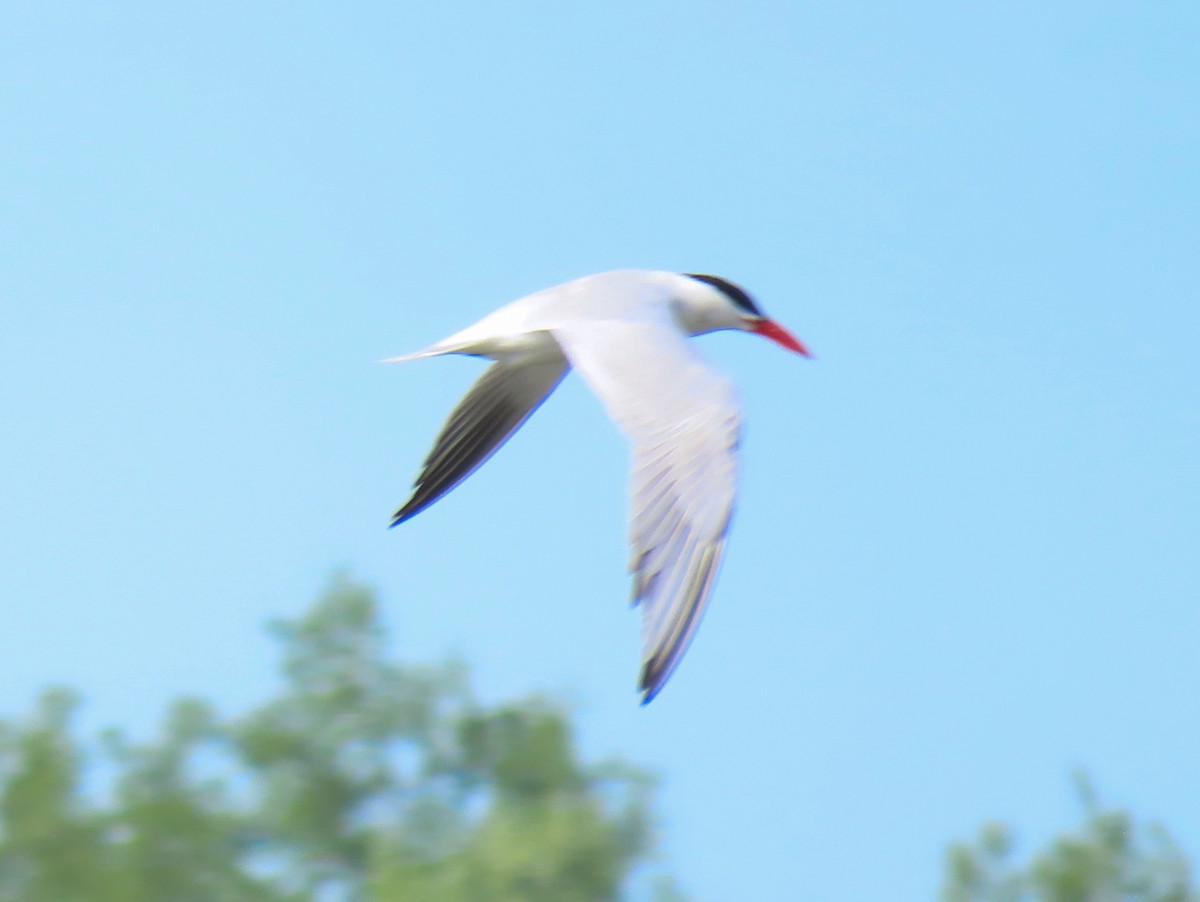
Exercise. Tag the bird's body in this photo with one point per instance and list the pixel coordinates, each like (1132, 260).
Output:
(625, 331)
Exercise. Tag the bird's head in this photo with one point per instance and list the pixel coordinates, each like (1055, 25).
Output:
(716, 303)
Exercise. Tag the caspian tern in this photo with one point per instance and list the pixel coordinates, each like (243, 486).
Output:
(625, 332)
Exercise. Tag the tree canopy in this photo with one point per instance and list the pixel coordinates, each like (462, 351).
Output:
(367, 780)
(1108, 858)
(363, 779)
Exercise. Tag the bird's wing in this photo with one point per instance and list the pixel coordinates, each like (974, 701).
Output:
(495, 407)
(683, 418)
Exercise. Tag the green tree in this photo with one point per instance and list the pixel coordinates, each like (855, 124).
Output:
(1106, 859)
(363, 779)
(52, 847)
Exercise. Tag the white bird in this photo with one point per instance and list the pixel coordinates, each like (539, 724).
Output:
(625, 332)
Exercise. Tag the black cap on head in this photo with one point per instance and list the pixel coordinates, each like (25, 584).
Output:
(735, 293)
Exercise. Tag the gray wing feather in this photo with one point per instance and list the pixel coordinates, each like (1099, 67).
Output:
(495, 407)
(683, 419)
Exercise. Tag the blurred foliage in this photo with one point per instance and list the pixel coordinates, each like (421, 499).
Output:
(1107, 859)
(362, 780)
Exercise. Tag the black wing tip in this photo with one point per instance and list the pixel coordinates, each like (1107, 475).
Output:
(425, 493)
(652, 681)
(407, 512)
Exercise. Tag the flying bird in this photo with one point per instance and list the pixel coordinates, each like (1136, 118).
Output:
(625, 331)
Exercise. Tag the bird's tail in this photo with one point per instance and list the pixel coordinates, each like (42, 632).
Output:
(434, 351)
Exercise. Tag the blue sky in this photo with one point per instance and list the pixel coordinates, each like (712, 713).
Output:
(965, 556)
